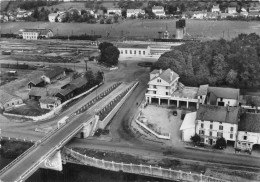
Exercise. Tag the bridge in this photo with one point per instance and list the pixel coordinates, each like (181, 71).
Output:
(43, 150)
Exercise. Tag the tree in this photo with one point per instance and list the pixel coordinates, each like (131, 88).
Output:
(35, 13)
(110, 56)
(195, 139)
(221, 143)
(90, 77)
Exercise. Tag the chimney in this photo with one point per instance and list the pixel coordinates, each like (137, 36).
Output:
(160, 71)
(228, 107)
(171, 75)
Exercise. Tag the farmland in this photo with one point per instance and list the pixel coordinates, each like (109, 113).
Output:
(145, 29)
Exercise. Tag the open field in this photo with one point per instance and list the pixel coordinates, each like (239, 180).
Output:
(143, 28)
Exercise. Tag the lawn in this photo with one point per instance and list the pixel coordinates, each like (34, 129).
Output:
(143, 28)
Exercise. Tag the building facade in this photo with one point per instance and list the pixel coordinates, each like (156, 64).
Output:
(34, 34)
(134, 12)
(213, 122)
(134, 50)
(215, 9)
(8, 101)
(49, 102)
(114, 11)
(158, 11)
(52, 17)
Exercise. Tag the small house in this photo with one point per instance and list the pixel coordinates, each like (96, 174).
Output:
(49, 102)
(8, 101)
(54, 74)
(37, 93)
(36, 82)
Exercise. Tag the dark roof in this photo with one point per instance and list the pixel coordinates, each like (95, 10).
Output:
(38, 91)
(135, 46)
(36, 80)
(166, 75)
(250, 122)
(67, 90)
(226, 93)
(79, 82)
(218, 113)
(5, 97)
(40, 31)
(55, 71)
(250, 100)
(48, 100)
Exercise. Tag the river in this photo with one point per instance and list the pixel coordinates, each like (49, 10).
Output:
(80, 173)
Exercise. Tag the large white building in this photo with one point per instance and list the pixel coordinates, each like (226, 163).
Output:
(188, 126)
(215, 9)
(134, 12)
(158, 11)
(213, 122)
(52, 17)
(134, 50)
(248, 131)
(34, 34)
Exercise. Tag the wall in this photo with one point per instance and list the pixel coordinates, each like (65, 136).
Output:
(144, 52)
(12, 103)
(187, 134)
(252, 138)
(226, 129)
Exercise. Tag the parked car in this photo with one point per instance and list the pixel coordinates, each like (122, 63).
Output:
(174, 113)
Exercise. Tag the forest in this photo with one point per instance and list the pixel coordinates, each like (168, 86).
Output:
(234, 63)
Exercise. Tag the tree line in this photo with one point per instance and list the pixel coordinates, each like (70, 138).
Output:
(234, 63)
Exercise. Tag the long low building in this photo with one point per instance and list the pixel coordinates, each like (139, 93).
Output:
(134, 50)
(8, 101)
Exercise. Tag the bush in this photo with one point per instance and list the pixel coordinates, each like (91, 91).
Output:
(195, 139)
(221, 143)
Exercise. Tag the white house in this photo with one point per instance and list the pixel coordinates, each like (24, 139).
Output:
(134, 12)
(215, 9)
(248, 131)
(52, 17)
(34, 34)
(231, 10)
(223, 96)
(8, 101)
(250, 103)
(114, 11)
(213, 122)
(158, 11)
(188, 126)
(49, 102)
(134, 50)
(199, 14)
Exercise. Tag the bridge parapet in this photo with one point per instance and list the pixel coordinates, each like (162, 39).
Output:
(146, 170)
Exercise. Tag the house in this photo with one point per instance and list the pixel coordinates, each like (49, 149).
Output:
(52, 17)
(80, 84)
(164, 88)
(224, 15)
(54, 74)
(188, 126)
(66, 93)
(114, 11)
(37, 93)
(8, 101)
(248, 131)
(213, 122)
(231, 10)
(250, 103)
(215, 9)
(254, 9)
(244, 13)
(62, 16)
(34, 34)
(74, 10)
(134, 50)
(253, 14)
(212, 16)
(199, 15)
(158, 11)
(35, 82)
(221, 96)
(49, 102)
(134, 12)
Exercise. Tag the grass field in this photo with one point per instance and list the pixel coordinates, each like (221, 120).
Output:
(143, 28)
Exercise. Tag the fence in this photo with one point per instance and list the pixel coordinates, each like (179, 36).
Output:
(139, 169)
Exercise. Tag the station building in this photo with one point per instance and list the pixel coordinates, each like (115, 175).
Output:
(134, 50)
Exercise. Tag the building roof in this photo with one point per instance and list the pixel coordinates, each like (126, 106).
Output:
(134, 10)
(79, 82)
(6, 97)
(250, 100)
(36, 80)
(203, 90)
(67, 90)
(134, 46)
(116, 9)
(189, 121)
(232, 8)
(40, 31)
(155, 72)
(53, 14)
(48, 100)
(38, 91)
(166, 75)
(157, 8)
(55, 71)
(249, 122)
(227, 93)
(215, 6)
(218, 113)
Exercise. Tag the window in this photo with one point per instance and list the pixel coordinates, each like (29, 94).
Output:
(134, 52)
(221, 99)
(130, 51)
(245, 137)
(159, 81)
(231, 135)
(219, 134)
(200, 97)
(125, 51)
(210, 133)
(140, 52)
(121, 52)
(202, 140)
(143, 52)
(201, 132)
(220, 127)
(154, 92)
(202, 125)
(211, 126)
(167, 93)
(12, 103)
(231, 128)
(154, 86)
(167, 87)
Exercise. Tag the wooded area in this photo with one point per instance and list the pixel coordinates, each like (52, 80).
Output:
(234, 63)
